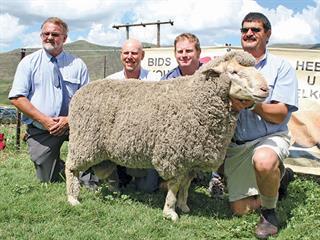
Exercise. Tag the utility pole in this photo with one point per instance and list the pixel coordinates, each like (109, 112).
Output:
(158, 23)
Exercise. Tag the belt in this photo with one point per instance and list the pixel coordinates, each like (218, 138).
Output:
(238, 142)
(37, 126)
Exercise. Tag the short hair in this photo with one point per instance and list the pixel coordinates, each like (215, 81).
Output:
(189, 36)
(57, 21)
(256, 16)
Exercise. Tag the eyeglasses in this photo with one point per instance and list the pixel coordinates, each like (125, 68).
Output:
(53, 34)
(253, 29)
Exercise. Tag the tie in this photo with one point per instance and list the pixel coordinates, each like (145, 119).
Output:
(58, 83)
(57, 74)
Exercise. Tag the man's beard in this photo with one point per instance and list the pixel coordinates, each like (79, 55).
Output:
(49, 46)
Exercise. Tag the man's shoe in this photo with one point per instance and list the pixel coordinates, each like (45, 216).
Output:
(265, 229)
(286, 179)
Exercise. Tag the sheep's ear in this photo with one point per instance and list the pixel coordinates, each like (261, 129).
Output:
(214, 71)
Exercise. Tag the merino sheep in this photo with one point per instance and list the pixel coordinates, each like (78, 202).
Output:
(177, 127)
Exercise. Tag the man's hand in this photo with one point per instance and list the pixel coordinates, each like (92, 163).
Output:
(239, 105)
(60, 127)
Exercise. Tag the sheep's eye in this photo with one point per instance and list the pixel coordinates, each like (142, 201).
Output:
(234, 72)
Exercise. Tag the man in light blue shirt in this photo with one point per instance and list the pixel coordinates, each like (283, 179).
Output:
(254, 161)
(43, 85)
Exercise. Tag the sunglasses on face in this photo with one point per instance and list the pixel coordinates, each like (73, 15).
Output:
(53, 34)
(253, 29)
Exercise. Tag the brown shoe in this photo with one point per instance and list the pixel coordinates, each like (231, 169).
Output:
(265, 229)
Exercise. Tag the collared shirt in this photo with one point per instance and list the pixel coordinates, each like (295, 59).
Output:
(34, 79)
(176, 72)
(283, 87)
(144, 75)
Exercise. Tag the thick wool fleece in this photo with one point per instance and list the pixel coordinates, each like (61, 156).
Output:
(175, 126)
(172, 126)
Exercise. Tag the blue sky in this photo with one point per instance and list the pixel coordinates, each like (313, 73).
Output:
(215, 22)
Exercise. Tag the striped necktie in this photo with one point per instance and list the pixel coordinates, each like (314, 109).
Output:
(57, 74)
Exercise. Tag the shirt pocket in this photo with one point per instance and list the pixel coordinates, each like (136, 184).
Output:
(72, 85)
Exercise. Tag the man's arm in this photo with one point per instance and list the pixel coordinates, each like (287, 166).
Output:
(56, 126)
(274, 112)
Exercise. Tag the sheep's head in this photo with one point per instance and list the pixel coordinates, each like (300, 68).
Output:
(246, 82)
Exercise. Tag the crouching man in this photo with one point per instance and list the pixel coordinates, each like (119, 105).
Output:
(254, 162)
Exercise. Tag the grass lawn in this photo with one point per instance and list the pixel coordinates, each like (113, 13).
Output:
(30, 210)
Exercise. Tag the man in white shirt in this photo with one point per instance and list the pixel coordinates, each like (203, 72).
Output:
(146, 180)
(131, 56)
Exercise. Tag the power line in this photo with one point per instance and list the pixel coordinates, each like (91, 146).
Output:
(158, 23)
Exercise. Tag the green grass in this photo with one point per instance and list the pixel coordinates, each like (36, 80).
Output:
(30, 210)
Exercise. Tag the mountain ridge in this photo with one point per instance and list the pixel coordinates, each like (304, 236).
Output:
(81, 44)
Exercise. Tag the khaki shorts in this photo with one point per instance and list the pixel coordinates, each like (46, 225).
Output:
(238, 166)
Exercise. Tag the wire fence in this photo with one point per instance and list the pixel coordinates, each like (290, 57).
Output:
(100, 63)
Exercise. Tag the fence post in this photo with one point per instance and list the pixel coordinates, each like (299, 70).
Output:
(18, 127)
(104, 66)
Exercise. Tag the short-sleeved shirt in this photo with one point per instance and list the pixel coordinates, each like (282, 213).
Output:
(283, 87)
(34, 79)
(144, 75)
(176, 72)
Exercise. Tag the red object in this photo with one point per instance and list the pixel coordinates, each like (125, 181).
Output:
(2, 141)
(205, 59)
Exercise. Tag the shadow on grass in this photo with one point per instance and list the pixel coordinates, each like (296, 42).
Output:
(204, 206)
(199, 201)
(297, 197)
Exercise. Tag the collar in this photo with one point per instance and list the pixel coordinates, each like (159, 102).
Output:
(49, 56)
(263, 60)
(200, 64)
(264, 57)
(142, 74)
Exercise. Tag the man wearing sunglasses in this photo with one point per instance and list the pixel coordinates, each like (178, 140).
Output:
(42, 88)
(254, 162)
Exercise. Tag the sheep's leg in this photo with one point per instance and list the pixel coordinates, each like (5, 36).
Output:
(183, 193)
(73, 185)
(171, 199)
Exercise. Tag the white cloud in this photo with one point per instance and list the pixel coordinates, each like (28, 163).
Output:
(283, 32)
(9, 29)
(213, 21)
(31, 40)
(99, 35)
(290, 27)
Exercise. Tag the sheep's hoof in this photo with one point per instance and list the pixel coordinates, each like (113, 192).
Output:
(73, 201)
(170, 214)
(183, 207)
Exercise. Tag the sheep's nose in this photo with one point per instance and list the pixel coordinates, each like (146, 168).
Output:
(264, 89)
